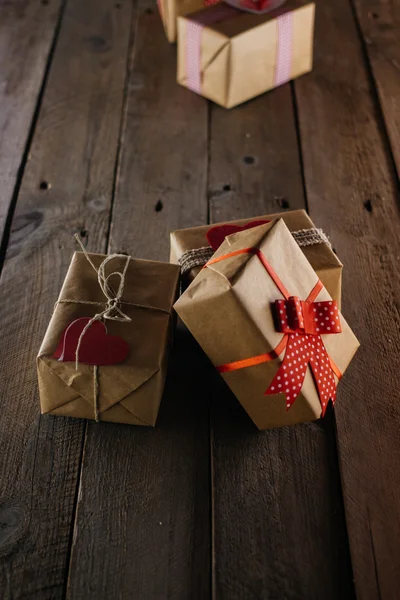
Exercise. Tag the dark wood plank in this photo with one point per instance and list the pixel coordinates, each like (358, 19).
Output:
(162, 176)
(27, 30)
(353, 193)
(74, 149)
(254, 159)
(279, 528)
(379, 22)
(144, 500)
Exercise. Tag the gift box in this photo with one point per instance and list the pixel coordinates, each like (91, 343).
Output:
(270, 327)
(230, 56)
(170, 10)
(104, 355)
(191, 248)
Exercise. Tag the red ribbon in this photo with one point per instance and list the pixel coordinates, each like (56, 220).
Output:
(302, 322)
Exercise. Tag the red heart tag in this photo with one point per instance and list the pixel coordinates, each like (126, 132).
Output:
(97, 347)
(217, 234)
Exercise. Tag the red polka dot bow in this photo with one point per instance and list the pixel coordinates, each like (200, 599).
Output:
(304, 322)
(299, 316)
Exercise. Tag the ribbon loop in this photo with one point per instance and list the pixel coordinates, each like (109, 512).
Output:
(312, 318)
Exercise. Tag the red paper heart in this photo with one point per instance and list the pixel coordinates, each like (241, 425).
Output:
(97, 347)
(217, 234)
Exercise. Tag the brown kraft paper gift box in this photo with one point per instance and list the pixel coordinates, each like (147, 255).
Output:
(231, 56)
(229, 309)
(320, 255)
(129, 392)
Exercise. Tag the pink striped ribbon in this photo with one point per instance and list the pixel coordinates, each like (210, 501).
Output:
(283, 67)
(223, 12)
(194, 29)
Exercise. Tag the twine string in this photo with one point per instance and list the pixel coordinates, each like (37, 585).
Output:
(96, 393)
(198, 257)
(113, 310)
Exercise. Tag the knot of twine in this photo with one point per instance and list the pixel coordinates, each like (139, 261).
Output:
(112, 310)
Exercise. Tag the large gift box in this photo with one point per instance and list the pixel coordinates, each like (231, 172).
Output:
(104, 355)
(192, 248)
(270, 327)
(230, 56)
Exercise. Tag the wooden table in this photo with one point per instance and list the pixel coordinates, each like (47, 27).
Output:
(97, 138)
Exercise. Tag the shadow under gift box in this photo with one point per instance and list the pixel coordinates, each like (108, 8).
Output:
(228, 309)
(231, 56)
(129, 392)
(320, 255)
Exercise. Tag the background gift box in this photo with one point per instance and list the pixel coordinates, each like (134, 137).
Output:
(191, 247)
(230, 56)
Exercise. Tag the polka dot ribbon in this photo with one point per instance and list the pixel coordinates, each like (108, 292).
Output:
(302, 322)
(305, 322)
(299, 316)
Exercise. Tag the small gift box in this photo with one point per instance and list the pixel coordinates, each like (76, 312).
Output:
(104, 355)
(192, 248)
(265, 320)
(230, 56)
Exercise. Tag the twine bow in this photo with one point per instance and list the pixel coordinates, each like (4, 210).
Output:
(112, 311)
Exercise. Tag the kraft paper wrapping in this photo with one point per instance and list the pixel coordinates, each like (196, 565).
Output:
(170, 10)
(129, 392)
(323, 260)
(244, 54)
(227, 308)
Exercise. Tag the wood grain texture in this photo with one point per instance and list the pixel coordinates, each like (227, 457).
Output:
(26, 33)
(163, 169)
(379, 23)
(254, 159)
(74, 149)
(279, 529)
(144, 499)
(353, 194)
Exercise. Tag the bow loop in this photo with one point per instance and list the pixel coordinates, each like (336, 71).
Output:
(312, 318)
